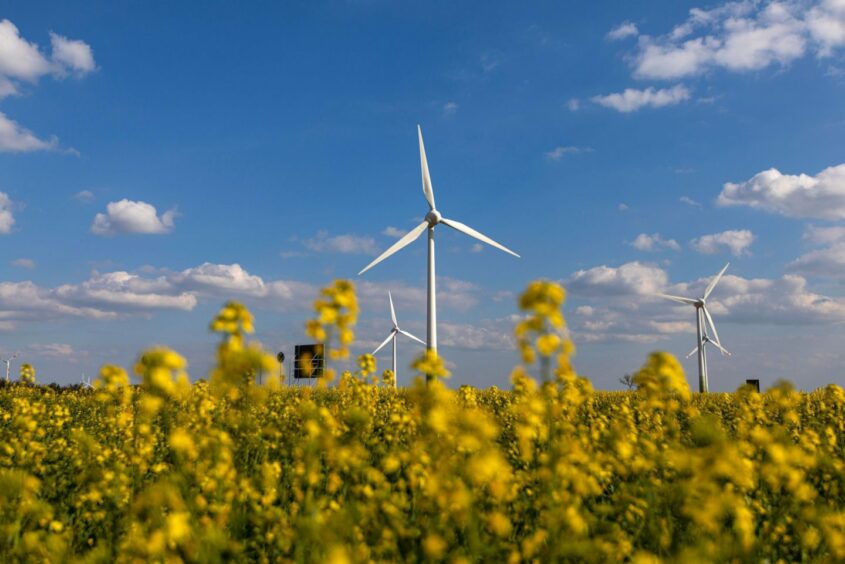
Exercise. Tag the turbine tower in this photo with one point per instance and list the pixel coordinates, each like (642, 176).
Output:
(392, 336)
(8, 362)
(703, 319)
(432, 219)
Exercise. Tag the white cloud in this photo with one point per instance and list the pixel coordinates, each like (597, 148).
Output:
(7, 87)
(738, 36)
(29, 264)
(84, 196)
(622, 31)
(7, 220)
(489, 335)
(624, 309)
(121, 291)
(558, 152)
(344, 244)
(654, 242)
(20, 59)
(781, 301)
(52, 350)
(127, 216)
(632, 99)
(819, 197)
(476, 248)
(17, 139)
(574, 104)
(826, 23)
(829, 262)
(623, 207)
(690, 202)
(72, 54)
(219, 278)
(393, 232)
(25, 300)
(633, 278)
(449, 108)
(824, 235)
(737, 241)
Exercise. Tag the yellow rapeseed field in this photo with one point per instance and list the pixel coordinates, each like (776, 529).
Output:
(230, 470)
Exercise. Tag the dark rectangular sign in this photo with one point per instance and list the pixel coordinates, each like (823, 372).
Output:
(308, 361)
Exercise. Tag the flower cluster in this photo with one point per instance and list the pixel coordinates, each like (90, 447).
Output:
(27, 375)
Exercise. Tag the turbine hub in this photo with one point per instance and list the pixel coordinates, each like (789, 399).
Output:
(433, 218)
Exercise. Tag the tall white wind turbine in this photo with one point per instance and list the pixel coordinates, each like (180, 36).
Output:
(432, 219)
(392, 336)
(8, 362)
(703, 319)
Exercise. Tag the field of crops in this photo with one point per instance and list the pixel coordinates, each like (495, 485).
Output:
(226, 469)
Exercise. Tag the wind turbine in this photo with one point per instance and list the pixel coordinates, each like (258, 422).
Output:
(703, 318)
(8, 362)
(393, 334)
(432, 219)
(86, 382)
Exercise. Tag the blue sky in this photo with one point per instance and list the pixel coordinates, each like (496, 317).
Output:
(157, 160)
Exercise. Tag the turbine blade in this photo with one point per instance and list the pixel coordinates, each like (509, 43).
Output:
(688, 301)
(712, 325)
(692, 352)
(387, 340)
(721, 348)
(714, 282)
(409, 238)
(428, 191)
(420, 341)
(392, 311)
(466, 229)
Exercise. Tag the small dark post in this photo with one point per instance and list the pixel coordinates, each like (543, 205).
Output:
(754, 384)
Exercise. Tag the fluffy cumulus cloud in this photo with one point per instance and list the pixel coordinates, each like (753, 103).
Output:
(611, 310)
(219, 278)
(17, 139)
(344, 244)
(23, 62)
(111, 295)
(824, 235)
(630, 279)
(819, 197)
(740, 36)
(654, 242)
(488, 335)
(632, 99)
(828, 262)
(737, 241)
(7, 220)
(622, 31)
(127, 216)
(72, 55)
(123, 291)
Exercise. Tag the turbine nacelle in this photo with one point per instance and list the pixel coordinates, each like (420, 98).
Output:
(433, 217)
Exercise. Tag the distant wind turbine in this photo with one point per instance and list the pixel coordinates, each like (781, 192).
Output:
(393, 334)
(86, 382)
(432, 219)
(8, 362)
(703, 318)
